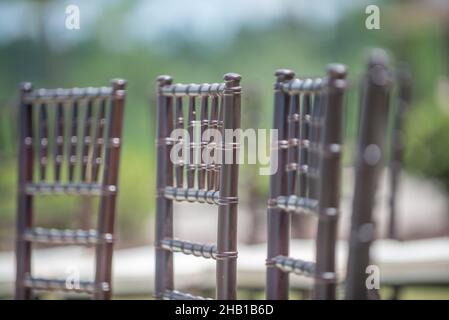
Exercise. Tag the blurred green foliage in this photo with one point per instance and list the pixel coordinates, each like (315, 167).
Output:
(255, 53)
(427, 138)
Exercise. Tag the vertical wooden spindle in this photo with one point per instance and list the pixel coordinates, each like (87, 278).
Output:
(293, 150)
(278, 226)
(329, 194)
(164, 206)
(43, 141)
(191, 167)
(227, 211)
(86, 142)
(304, 150)
(213, 125)
(73, 141)
(179, 119)
(59, 140)
(24, 201)
(106, 216)
(219, 145)
(204, 125)
(315, 136)
(97, 157)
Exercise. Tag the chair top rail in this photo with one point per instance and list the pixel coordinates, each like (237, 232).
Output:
(42, 95)
(59, 95)
(307, 85)
(287, 83)
(230, 85)
(193, 89)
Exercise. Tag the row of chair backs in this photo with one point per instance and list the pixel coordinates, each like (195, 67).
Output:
(69, 143)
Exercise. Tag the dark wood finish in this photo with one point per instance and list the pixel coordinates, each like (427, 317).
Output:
(99, 140)
(216, 184)
(106, 217)
(213, 125)
(329, 185)
(227, 211)
(305, 134)
(220, 129)
(24, 200)
(40, 103)
(179, 125)
(204, 125)
(294, 119)
(59, 140)
(73, 140)
(43, 141)
(86, 141)
(278, 220)
(191, 167)
(370, 158)
(308, 150)
(315, 137)
(164, 177)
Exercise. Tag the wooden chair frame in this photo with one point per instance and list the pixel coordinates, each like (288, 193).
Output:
(370, 160)
(216, 184)
(308, 115)
(88, 146)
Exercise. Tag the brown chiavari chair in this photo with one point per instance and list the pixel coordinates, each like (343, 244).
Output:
(69, 144)
(308, 115)
(209, 183)
(370, 156)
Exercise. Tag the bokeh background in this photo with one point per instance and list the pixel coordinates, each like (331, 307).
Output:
(199, 41)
